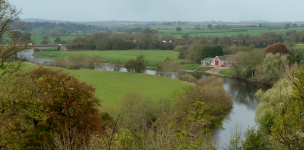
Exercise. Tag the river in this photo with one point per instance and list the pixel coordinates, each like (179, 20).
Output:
(241, 92)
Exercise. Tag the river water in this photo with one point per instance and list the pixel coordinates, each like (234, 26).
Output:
(241, 92)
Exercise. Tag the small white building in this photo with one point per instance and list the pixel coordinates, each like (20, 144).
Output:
(207, 61)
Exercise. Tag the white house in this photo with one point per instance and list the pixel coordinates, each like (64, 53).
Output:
(207, 61)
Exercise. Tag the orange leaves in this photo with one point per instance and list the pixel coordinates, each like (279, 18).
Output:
(276, 48)
(65, 104)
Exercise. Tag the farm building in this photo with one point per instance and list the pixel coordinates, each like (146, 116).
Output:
(207, 61)
(218, 61)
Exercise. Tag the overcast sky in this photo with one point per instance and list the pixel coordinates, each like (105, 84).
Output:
(162, 10)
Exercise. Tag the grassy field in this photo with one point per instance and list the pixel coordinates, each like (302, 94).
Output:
(203, 69)
(153, 56)
(38, 38)
(191, 66)
(111, 86)
(51, 49)
(170, 30)
(299, 46)
(225, 72)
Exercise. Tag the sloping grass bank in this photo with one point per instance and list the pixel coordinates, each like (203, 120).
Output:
(111, 86)
(226, 72)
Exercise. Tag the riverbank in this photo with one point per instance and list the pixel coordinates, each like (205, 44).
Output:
(216, 71)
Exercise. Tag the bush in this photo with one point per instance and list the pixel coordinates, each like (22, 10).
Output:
(116, 65)
(254, 140)
(75, 61)
(138, 65)
(50, 108)
(207, 103)
(274, 67)
(93, 60)
(60, 62)
(44, 41)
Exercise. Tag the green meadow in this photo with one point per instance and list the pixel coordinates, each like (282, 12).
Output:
(38, 38)
(153, 56)
(51, 49)
(230, 32)
(299, 46)
(111, 86)
(226, 72)
(203, 69)
(191, 66)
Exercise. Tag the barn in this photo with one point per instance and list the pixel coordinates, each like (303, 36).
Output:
(219, 61)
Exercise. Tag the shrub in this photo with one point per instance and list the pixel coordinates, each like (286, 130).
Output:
(207, 102)
(116, 65)
(44, 41)
(60, 62)
(276, 48)
(50, 108)
(93, 60)
(138, 65)
(75, 61)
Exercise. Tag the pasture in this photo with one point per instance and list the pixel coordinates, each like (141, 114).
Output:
(111, 86)
(38, 38)
(191, 66)
(170, 31)
(153, 56)
(51, 49)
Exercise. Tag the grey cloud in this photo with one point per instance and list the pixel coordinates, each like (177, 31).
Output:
(162, 10)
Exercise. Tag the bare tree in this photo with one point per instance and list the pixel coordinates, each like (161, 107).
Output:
(10, 22)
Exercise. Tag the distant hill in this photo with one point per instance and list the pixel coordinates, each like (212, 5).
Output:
(41, 20)
(254, 21)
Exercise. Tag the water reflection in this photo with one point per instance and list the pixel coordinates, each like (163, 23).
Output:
(243, 111)
(241, 92)
(29, 56)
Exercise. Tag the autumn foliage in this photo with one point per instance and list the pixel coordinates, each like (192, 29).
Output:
(48, 106)
(207, 102)
(276, 48)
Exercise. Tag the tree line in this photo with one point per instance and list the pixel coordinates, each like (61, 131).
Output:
(149, 39)
(65, 27)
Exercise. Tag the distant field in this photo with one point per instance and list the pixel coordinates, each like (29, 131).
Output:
(299, 46)
(111, 86)
(230, 32)
(51, 49)
(172, 27)
(38, 38)
(153, 56)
